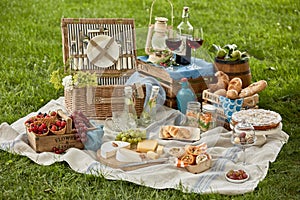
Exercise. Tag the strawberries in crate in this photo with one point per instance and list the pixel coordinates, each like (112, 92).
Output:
(39, 128)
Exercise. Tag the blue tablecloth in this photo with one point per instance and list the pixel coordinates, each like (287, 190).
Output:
(207, 69)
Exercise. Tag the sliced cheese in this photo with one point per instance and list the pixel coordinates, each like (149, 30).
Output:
(160, 149)
(147, 145)
(109, 149)
(127, 155)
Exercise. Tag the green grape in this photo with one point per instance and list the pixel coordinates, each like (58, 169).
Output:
(124, 139)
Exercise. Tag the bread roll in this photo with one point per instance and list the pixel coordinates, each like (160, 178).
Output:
(234, 87)
(221, 92)
(253, 89)
(235, 84)
(232, 94)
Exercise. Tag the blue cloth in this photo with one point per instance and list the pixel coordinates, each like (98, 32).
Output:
(207, 69)
(148, 82)
(94, 137)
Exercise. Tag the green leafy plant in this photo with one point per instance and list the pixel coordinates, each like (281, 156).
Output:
(229, 52)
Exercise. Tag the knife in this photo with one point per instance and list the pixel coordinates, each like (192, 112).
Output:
(159, 160)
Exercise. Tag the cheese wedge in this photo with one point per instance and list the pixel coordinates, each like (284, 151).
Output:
(109, 149)
(147, 145)
(160, 149)
(152, 155)
(127, 155)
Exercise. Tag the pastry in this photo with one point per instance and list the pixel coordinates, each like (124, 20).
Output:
(196, 150)
(189, 159)
(253, 89)
(260, 119)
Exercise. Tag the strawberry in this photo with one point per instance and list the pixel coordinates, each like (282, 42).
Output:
(63, 124)
(54, 128)
(58, 123)
(53, 113)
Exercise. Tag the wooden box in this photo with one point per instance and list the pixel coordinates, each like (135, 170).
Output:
(46, 143)
(64, 141)
(171, 85)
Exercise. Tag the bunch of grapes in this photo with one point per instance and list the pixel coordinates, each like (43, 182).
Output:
(80, 123)
(133, 136)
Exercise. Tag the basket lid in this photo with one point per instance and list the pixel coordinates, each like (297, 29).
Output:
(103, 51)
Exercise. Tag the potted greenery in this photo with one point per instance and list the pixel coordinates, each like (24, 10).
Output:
(233, 62)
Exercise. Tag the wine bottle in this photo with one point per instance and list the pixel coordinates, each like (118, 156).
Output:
(184, 95)
(183, 55)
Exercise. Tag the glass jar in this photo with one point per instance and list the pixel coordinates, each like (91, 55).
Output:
(192, 113)
(207, 119)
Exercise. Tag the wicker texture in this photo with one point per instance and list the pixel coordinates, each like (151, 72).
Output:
(99, 102)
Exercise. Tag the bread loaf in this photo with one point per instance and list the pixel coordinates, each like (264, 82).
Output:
(253, 89)
(222, 83)
(234, 88)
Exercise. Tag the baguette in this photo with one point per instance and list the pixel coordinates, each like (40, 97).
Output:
(253, 89)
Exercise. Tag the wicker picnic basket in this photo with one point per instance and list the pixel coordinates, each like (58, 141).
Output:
(97, 102)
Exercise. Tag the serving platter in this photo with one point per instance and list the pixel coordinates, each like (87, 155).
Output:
(195, 134)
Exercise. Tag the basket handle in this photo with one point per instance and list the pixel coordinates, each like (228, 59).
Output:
(172, 12)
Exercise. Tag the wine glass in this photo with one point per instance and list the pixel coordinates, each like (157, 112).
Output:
(243, 135)
(195, 41)
(173, 42)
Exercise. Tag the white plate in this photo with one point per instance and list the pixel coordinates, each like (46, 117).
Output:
(237, 181)
(112, 51)
(195, 134)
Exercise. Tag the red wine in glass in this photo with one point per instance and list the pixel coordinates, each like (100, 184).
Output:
(195, 43)
(173, 43)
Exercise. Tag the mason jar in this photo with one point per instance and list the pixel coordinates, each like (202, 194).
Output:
(192, 113)
(207, 118)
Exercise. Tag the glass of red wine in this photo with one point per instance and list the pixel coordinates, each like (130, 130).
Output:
(195, 41)
(173, 42)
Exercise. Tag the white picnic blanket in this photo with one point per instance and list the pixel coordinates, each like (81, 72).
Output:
(225, 156)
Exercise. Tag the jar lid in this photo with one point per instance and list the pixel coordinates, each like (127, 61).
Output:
(209, 107)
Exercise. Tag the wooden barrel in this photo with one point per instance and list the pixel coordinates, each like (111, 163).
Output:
(233, 69)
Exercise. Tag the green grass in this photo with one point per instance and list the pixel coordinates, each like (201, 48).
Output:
(31, 49)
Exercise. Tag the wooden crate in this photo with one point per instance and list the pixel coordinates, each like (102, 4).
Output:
(46, 143)
(76, 33)
(211, 98)
(171, 85)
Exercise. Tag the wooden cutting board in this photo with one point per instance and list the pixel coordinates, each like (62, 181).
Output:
(114, 163)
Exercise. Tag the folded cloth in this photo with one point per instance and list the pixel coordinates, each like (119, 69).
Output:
(185, 71)
(225, 156)
(94, 137)
(148, 82)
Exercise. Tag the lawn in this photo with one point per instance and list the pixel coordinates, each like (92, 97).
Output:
(31, 49)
